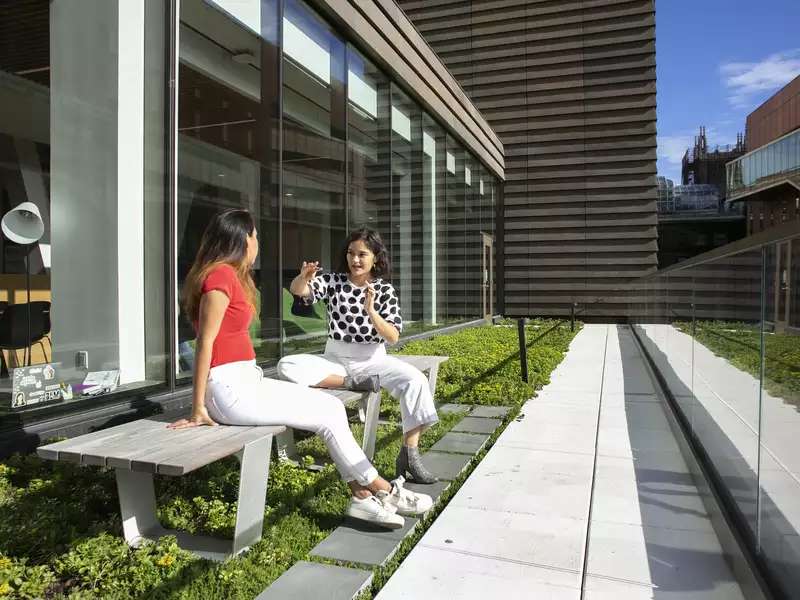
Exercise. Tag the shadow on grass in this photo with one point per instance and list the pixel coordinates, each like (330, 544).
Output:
(499, 367)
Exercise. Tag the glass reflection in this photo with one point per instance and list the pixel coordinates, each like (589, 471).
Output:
(735, 378)
(780, 422)
(314, 221)
(456, 199)
(226, 154)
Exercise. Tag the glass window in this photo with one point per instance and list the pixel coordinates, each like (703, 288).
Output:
(433, 203)
(226, 147)
(313, 168)
(368, 139)
(82, 195)
(796, 151)
(456, 197)
(769, 165)
(406, 239)
(473, 240)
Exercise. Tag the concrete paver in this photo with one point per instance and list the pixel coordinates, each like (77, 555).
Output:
(446, 409)
(445, 465)
(476, 425)
(359, 542)
(463, 443)
(305, 580)
(496, 412)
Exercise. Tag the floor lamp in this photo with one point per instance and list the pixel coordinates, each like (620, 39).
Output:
(23, 225)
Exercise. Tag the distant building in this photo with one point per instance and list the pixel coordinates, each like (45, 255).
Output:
(703, 166)
(693, 219)
(666, 195)
(696, 217)
(767, 181)
(767, 178)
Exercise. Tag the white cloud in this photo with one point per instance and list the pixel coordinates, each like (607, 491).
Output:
(671, 148)
(748, 79)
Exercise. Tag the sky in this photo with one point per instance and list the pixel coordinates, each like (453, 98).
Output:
(717, 60)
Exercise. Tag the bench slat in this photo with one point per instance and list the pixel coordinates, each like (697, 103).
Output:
(98, 448)
(345, 395)
(119, 455)
(422, 361)
(182, 441)
(180, 465)
(73, 446)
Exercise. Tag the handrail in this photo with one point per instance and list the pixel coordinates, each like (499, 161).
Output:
(776, 234)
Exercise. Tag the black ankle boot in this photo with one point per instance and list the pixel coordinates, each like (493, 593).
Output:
(409, 461)
(363, 383)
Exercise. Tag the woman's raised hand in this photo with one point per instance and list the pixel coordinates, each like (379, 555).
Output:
(309, 270)
(369, 299)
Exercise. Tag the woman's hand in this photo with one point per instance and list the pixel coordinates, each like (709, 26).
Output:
(309, 270)
(369, 300)
(198, 419)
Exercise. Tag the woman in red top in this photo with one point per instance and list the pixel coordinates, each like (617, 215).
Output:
(219, 299)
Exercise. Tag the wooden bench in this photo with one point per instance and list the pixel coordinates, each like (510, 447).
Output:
(369, 407)
(140, 449)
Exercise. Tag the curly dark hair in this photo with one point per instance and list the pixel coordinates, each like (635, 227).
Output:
(374, 242)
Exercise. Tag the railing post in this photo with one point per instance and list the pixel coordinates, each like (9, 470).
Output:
(523, 349)
(572, 316)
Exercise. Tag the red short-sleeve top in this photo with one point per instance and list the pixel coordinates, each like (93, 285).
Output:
(232, 343)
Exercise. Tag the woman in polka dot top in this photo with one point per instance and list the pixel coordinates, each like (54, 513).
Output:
(363, 316)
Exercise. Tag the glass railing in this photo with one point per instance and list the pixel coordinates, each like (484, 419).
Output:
(771, 163)
(724, 335)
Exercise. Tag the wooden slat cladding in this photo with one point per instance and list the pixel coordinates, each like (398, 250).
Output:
(570, 88)
(386, 35)
(776, 117)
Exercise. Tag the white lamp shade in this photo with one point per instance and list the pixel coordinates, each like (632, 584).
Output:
(23, 224)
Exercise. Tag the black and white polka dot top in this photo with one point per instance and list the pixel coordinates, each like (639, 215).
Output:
(347, 318)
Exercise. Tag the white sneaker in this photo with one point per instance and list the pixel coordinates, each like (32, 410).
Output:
(371, 509)
(404, 501)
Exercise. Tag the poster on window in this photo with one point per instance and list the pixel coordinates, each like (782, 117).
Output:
(35, 385)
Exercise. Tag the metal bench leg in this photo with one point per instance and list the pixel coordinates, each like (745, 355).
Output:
(284, 443)
(137, 502)
(371, 424)
(433, 373)
(253, 478)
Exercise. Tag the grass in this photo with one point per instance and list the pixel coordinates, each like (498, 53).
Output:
(60, 527)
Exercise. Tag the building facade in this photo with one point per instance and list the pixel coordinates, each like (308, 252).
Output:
(570, 88)
(128, 124)
(767, 178)
(766, 181)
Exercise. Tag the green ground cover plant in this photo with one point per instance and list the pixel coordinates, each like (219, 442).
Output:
(740, 344)
(60, 531)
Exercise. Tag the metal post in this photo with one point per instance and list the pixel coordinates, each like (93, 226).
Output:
(523, 349)
(572, 316)
(28, 248)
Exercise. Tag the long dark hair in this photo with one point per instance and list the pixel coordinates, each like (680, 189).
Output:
(224, 242)
(373, 240)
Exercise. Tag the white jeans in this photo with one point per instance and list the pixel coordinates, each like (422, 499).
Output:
(403, 381)
(238, 394)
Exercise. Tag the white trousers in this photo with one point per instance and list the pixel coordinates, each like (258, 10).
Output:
(404, 382)
(238, 394)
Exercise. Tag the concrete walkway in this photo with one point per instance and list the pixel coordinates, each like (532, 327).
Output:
(585, 496)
